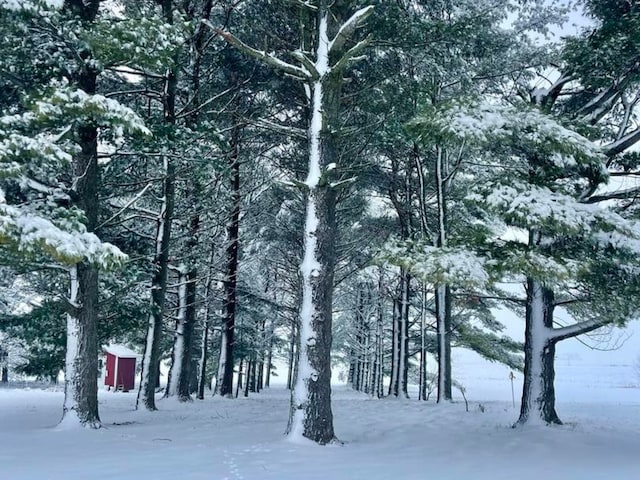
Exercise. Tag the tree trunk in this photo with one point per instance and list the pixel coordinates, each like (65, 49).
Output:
(150, 376)
(81, 369)
(4, 366)
(204, 355)
(204, 347)
(267, 377)
(422, 377)
(233, 229)
(400, 364)
(247, 386)
(351, 374)
(239, 384)
(252, 375)
(260, 377)
(443, 318)
(182, 361)
(81, 388)
(538, 394)
(188, 365)
(292, 355)
(179, 375)
(404, 335)
(443, 292)
(379, 366)
(311, 416)
(395, 350)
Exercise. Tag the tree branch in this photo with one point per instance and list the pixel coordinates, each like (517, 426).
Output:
(349, 27)
(264, 57)
(351, 54)
(623, 143)
(562, 333)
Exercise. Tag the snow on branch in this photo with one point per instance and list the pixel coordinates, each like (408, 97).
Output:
(623, 143)
(29, 4)
(446, 266)
(486, 122)
(352, 54)
(267, 58)
(31, 233)
(349, 27)
(625, 194)
(307, 63)
(306, 4)
(570, 331)
(528, 206)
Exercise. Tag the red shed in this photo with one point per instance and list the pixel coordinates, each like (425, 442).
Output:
(120, 367)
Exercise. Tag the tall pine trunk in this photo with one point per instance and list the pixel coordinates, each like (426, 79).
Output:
(311, 415)
(81, 364)
(225, 383)
(398, 386)
(443, 292)
(150, 375)
(422, 377)
(443, 325)
(204, 346)
(151, 357)
(180, 375)
(538, 394)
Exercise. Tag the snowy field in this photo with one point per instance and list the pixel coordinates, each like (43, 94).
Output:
(383, 439)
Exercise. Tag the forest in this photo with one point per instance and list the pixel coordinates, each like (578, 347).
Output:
(359, 186)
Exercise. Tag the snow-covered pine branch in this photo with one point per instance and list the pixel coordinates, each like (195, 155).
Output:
(455, 266)
(348, 28)
(268, 58)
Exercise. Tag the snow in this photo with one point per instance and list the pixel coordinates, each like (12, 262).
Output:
(450, 265)
(178, 344)
(120, 351)
(539, 338)
(28, 4)
(442, 332)
(220, 439)
(34, 232)
(488, 121)
(310, 266)
(70, 417)
(146, 361)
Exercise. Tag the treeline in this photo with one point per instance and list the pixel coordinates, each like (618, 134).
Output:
(226, 183)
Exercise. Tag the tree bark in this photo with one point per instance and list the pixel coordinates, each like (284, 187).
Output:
(239, 384)
(422, 377)
(204, 347)
(151, 359)
(81, 387)
(311, 415)
(538, 394)
(267, 377)
(293, 341)
(395, 350)
(443, 316)
(443, 292)
(400, 349)
(230, 282)
(379, 362)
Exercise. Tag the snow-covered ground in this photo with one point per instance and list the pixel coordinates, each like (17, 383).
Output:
(385, 439)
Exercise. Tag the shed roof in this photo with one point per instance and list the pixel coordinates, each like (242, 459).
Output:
(120, 351)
